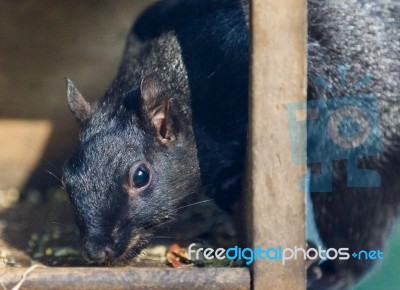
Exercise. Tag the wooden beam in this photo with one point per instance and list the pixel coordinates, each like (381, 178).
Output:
(278, 77)
(127, 278)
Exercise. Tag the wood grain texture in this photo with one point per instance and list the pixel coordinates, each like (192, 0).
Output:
(128, 278)
(278, 77)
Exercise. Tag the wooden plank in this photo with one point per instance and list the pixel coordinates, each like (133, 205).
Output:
(127, 278)
(278, 77)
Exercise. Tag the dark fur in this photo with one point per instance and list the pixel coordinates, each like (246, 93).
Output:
(364, 35)
(199, 50)
(204, 87)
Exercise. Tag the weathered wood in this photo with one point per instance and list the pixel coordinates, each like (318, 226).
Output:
(275, 204)
(128, 278)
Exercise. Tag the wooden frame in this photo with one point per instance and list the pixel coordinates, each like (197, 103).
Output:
(128, 278)
(278, 77)
(275, 206)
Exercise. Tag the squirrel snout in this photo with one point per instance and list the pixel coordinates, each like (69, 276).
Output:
(96, 251)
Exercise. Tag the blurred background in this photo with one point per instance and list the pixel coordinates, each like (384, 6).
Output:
(41, 43)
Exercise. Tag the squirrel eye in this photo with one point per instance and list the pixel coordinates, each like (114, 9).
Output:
(141, 176)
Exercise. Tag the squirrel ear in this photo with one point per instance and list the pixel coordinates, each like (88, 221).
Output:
(77, 104)
(157, 108)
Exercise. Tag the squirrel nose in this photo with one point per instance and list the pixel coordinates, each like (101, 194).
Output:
(93, 251)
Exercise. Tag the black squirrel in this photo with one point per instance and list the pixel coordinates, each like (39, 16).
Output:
(174, 122)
